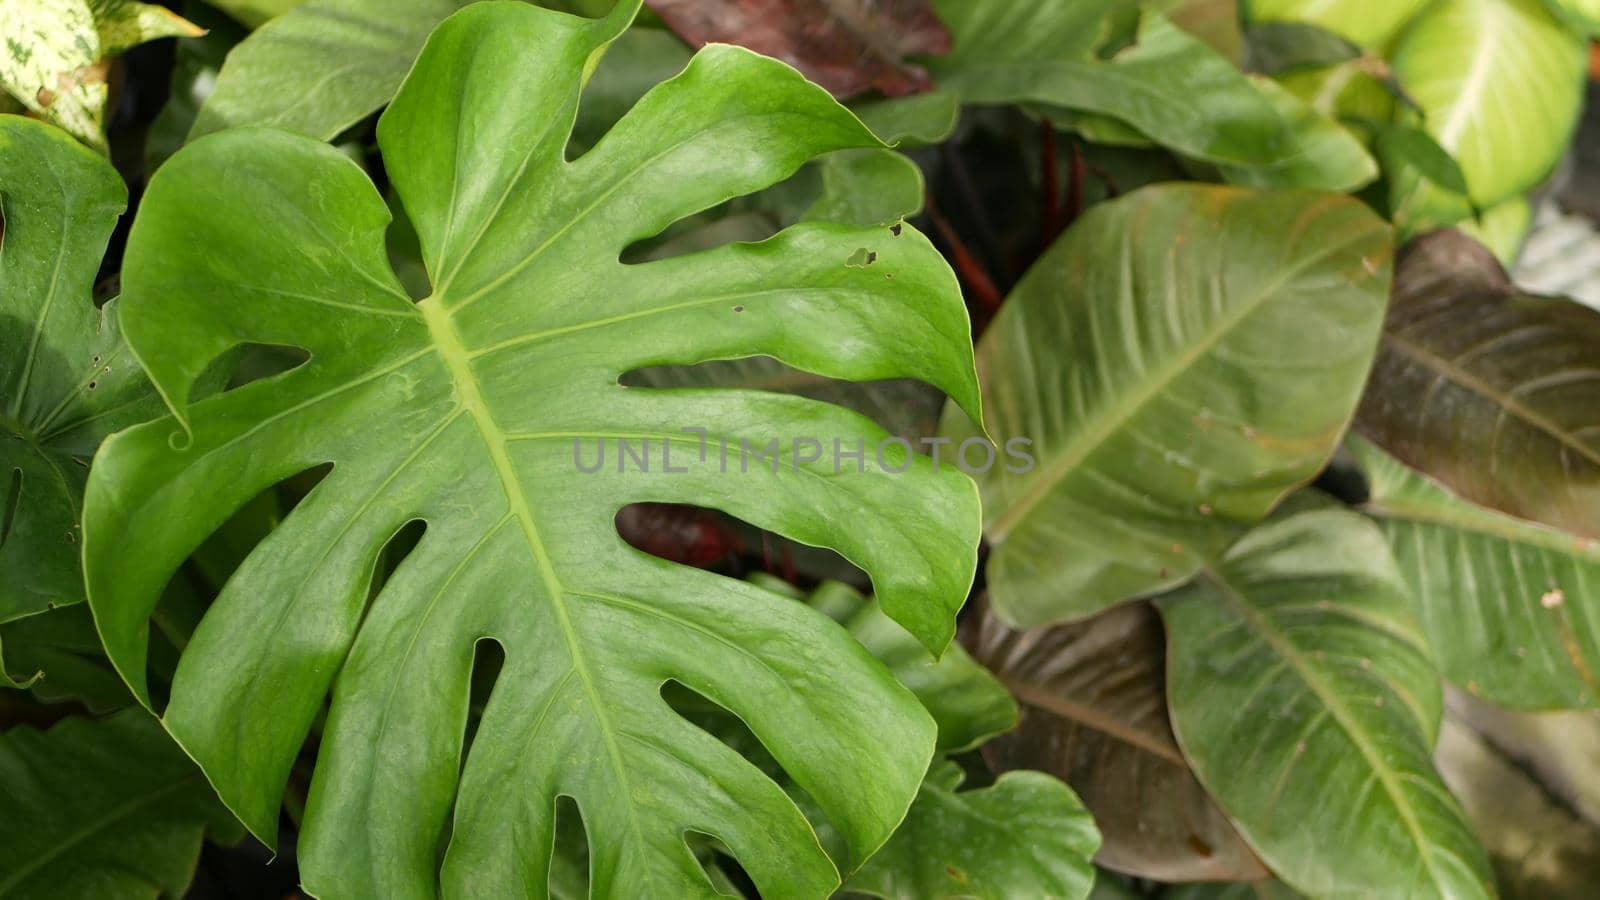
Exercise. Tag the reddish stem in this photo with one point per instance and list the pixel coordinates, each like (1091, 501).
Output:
(979, 284)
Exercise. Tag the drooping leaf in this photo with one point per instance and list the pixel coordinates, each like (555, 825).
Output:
(1512, 609)
(1325, 155)
(1492, 393)
(102, 808)
(66, 379)
(1304, 696)
(1024, 836)
(1370, 23)
(1169, 86)
(1500, 84)
(1275, 48)
(462, 411)
(321, 67)
(1094, 713)
(1180, 360)
(55, 53)
(847, 46)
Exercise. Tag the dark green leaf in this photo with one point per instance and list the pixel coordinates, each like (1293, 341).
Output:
(102, 808)
(1274, 48)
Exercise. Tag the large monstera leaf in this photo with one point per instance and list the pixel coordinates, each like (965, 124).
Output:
(1304, 696)
(66, 379)
(1175, 364)
(464, 411)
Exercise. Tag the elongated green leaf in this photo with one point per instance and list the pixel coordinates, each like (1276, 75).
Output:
(102, 808)
(54, 53)
(66, 379)
(1179, 361)
(1493, 393)
(465, 410)
(1095, 714)
(322, 66)
(1323, 154)
(1370, 23)
(1025, 836)
(1304, 697)
(1169, 86)
(1500, 84)
(1512, 608)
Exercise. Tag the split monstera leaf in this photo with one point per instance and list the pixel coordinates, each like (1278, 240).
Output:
(463, 411)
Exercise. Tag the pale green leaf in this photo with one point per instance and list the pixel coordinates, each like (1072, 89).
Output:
(1179, 361)
(1304, 696)
(1370, 23)
(1500, 84)
(54, 53)
(461, 411)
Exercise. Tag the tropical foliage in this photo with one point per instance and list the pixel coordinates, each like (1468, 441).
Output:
(778, 448)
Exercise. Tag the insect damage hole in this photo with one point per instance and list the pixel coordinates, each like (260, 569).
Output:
(862, 258)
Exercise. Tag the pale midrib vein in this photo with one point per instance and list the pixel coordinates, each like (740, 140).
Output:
(1462, 378)
(456, 360)
(83, 834)
(1102, 431)
(1335, 708)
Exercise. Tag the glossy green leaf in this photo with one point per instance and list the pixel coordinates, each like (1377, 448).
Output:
(54, 53)
(1512, 608)
(1492, 393)
(1370, 23)
(1024, 836)
(966, 702)
(102, 808)
(1500, 84)
(464, 411)
(66, 379)
(322, 66)
(1304, 696)
(1169, 86)
(1094, 713)
(1325, 154)
(255, 12)
(1180, 360)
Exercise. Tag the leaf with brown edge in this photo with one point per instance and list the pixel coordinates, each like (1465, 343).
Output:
(847, 46)
(1491, 392)
(1094, 713)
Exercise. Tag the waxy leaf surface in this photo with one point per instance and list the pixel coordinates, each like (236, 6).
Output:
(476, 411)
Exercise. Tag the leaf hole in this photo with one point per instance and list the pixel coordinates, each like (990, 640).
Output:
(684, 534)
(569, 858)
(251, 362)
(488, 661)
(861, 258)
